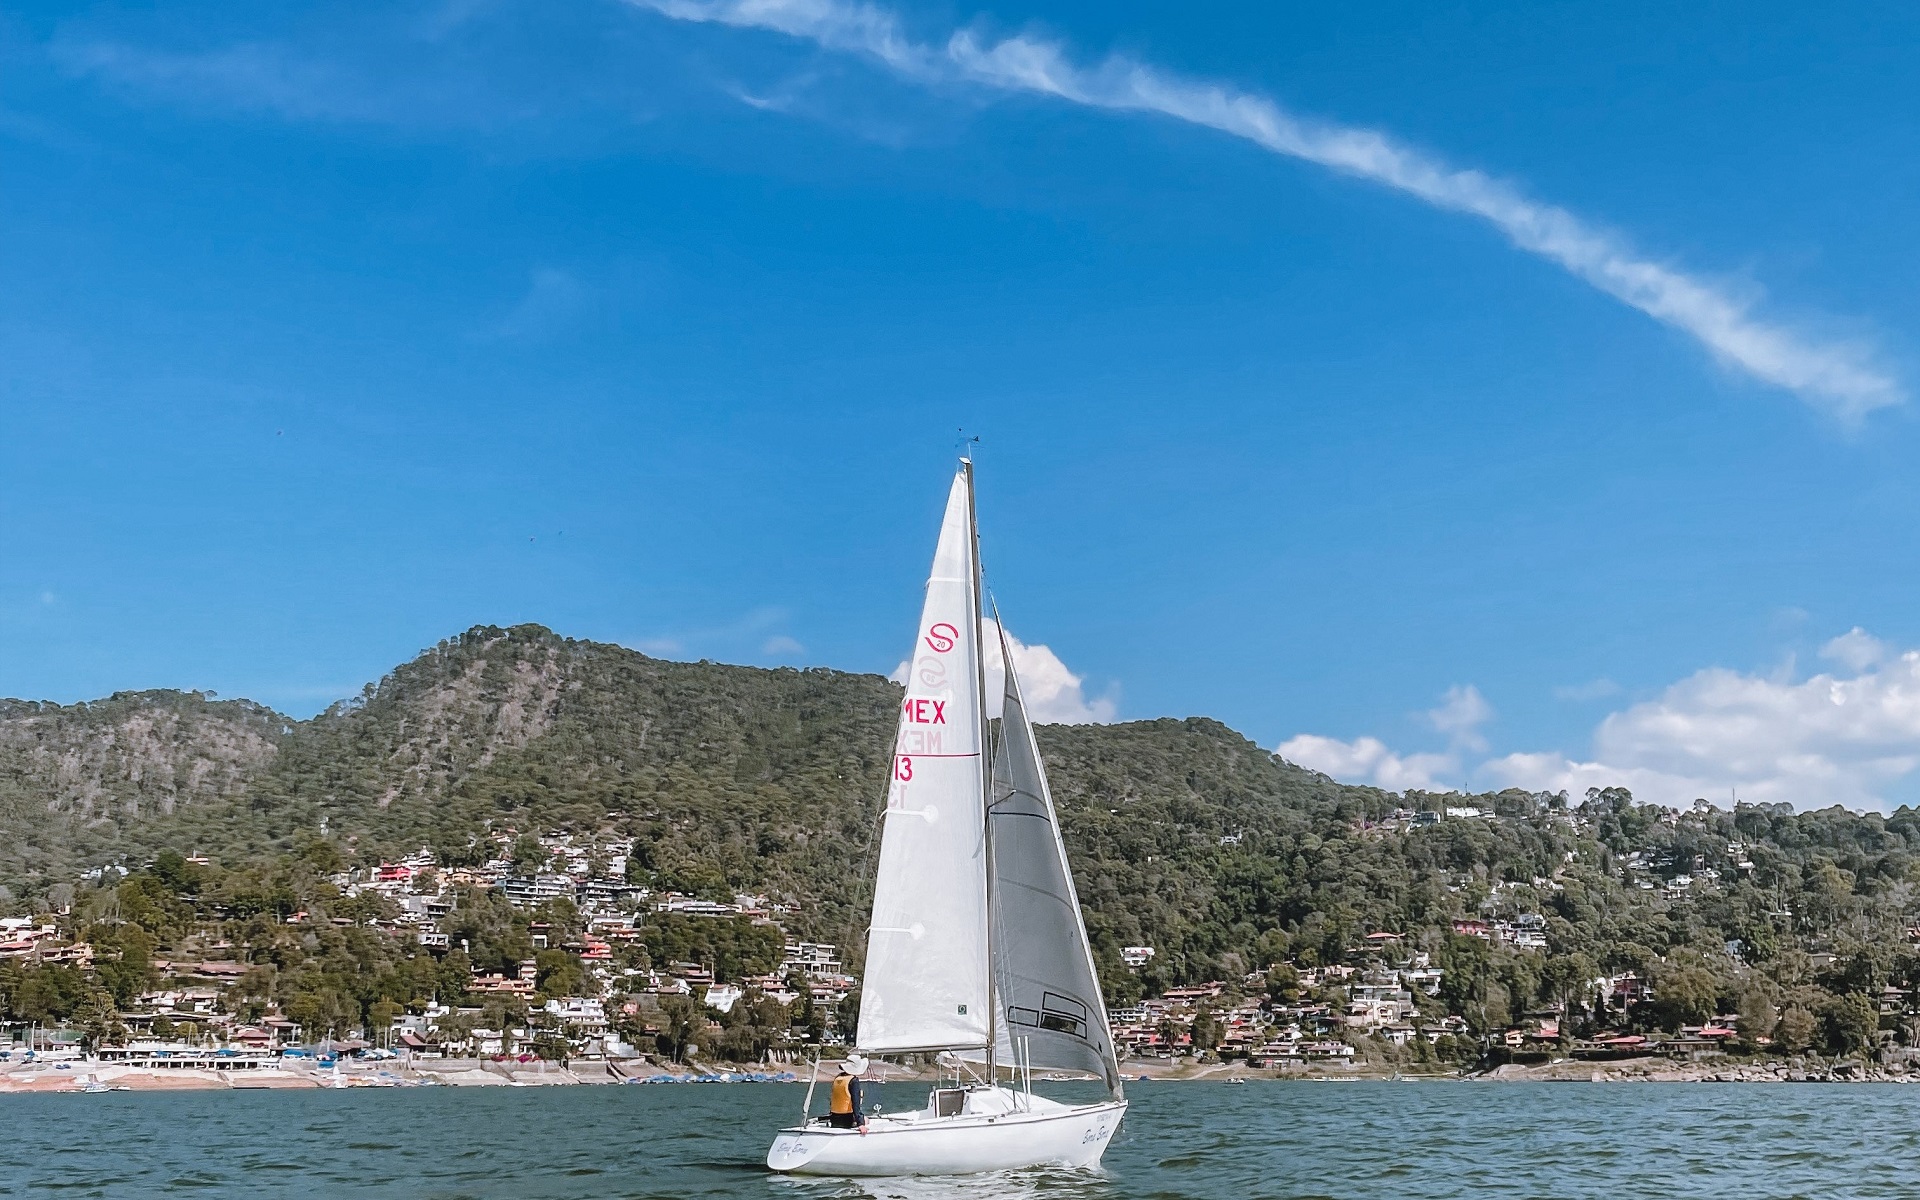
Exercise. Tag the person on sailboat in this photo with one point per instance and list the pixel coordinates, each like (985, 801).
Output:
(843, 1108)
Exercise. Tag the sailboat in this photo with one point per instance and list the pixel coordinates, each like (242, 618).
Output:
(976, 952)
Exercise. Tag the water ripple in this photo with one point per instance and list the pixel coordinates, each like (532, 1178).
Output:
(1280, 1141)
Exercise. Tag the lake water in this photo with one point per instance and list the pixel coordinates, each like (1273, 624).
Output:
(1298, 1139)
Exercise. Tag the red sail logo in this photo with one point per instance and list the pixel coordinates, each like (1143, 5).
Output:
(942, 637)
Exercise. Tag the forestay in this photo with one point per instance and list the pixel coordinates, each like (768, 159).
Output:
(1048, 991)
(926, 982)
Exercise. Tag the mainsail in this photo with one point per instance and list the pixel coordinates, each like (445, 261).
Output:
(1048, 991)
(927, 984)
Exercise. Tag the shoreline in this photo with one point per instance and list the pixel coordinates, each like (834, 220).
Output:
(1648, 1069)
(49, 1078)
(72, 1077)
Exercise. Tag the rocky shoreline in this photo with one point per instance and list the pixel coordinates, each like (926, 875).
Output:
(1649, 1069)
(1662, 1070)
(54, 1078)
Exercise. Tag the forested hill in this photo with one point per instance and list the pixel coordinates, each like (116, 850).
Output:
(1185, 835)
(770, 779)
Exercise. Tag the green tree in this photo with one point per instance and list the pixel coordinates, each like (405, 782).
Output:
(1757, 1017)
(320, 856)
(173, 872)
(1566, 979)
(1796, 1030)
(751, 1027)
(49, 994)
(1685, 995)
(703, 880)
(381, 1015)
(559, 973)
(1853, 1024)
(682, 1023)
(846, 1016)
(123, 960)
(529, 856)
(803, 1014)
(1206, 1029)
(97, 1020)
(1828, 898)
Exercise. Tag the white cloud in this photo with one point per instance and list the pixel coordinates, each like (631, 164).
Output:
(1829, 739)
(1462, 711)
(780, 644)
(1367, 760)
(1856, 648)
(1054, 694)
(1823, 740)
(1553, 772)
(1845, 379)
(1460, 714)
(1848, 738)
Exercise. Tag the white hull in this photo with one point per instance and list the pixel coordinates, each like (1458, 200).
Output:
(1041, 1133)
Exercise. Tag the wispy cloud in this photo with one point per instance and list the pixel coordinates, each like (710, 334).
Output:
(1842, 378)
(1855, 648)
(414, 68)
(554, 300)
(256, 75)
(1593, 689)
(1460, 714)
(758, 629)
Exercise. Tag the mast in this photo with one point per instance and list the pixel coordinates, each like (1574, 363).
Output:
(986, 777)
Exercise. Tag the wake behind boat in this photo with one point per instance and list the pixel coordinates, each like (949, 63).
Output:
(976, 951)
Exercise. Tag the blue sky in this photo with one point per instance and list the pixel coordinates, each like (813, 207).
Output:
(327, 333)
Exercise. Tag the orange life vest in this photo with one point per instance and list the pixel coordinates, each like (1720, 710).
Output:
(842, 1101)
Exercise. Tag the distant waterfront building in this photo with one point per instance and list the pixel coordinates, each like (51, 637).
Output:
(692, 906)
(723, 996)
(816, 960)
(606, 893)
(524, 892)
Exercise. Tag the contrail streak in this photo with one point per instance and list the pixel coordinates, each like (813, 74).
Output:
(1840, 378)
